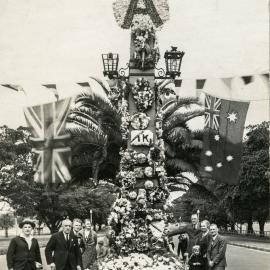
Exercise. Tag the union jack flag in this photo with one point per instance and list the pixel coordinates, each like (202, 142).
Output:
(49, 138)
(212, 112)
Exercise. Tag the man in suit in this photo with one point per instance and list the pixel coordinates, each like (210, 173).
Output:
(62, 251)
(193, 229)
(216, 250)
(76, 230)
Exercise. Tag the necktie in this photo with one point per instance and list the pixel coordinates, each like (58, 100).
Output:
(67, 239)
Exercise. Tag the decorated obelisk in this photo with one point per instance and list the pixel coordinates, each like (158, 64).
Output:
(137, 215)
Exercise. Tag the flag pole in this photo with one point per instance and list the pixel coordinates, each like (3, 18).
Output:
(91, 216)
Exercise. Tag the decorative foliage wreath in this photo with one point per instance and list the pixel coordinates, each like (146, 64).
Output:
(142, 94)
(140, 121)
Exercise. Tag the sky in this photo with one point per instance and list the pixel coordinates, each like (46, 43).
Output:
(61, 42)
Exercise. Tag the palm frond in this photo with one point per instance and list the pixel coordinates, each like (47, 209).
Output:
(169, 150)
(179, 135)
(196, 144)
(83, 122)
(102, 84)
(180, 118)
(180, 165)
(182, 102)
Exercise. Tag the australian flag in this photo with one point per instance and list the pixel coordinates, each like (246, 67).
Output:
(222, 150)
(50, 141)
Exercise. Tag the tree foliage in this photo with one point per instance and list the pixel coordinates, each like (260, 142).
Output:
(246, 202)
(49, 203)
(183, 146)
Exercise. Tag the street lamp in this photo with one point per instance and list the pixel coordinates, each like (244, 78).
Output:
(110, 64)
(173, 60)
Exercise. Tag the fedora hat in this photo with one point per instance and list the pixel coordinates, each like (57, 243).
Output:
(27, 221)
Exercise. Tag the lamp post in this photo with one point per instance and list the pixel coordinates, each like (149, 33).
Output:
(173, 61)
(110, 64)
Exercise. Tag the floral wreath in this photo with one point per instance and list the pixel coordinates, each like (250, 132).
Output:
(142, 94)
(140, 121)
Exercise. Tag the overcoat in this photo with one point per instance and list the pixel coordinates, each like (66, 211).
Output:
(60, 252)
(20, 257)
(216, 252)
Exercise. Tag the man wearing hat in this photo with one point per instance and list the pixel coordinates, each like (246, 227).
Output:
(62, 251)
(23, 251)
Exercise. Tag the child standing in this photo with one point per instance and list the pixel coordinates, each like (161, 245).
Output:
(196, 261)
(101, 250)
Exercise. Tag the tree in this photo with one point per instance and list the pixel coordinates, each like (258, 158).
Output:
(250, 199)
(246, 202)
(183, 146)
(32, 199)
(6, 221)
(94, 125)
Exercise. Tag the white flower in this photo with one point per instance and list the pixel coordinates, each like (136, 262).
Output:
(208, 153)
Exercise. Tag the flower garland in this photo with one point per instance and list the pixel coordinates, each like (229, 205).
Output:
(142, 94)
(139, 261)
(120, 8)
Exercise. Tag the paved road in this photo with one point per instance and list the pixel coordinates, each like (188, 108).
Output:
(238, 259)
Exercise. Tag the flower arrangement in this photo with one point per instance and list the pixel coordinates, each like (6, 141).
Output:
(128, 159)
(128, 179)
(158, 195)
(120, 8)
(148, 184)
(142, 94)
(139, 261)
(120, 210)
(140, 121)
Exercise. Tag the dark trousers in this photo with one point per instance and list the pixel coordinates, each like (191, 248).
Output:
(181, 248)
(68, 267)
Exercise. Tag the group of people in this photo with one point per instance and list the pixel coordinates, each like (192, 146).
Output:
(75, 248)
(72, 248)
(200, 245)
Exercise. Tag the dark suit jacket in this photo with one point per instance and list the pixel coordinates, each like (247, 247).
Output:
(20, 257)
(58, 251)
(192, 234)
(203, 242)
(216, 252)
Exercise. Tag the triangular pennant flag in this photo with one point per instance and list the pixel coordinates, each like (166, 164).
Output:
(87, 88)
(200, 83)
(199, 86)
(178, 83)
(84, 84)
(13, 87)
(247, 79)
(52, 87)
(227, 81)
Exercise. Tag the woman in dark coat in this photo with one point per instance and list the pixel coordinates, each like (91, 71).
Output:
(203, 240)
(23, 251)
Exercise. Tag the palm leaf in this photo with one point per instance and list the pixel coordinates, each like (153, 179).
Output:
(179, 134)
(169, 150)
(179, 117)
(183, 102)
(105, 87)
(180, 165)
(196, 144)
